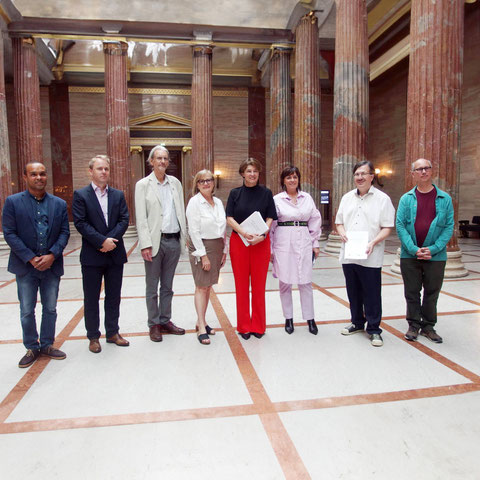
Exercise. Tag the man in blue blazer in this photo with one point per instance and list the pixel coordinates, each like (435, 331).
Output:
(35, 226)
(100, 214)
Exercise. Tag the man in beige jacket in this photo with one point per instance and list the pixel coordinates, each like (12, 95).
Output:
(160, 216)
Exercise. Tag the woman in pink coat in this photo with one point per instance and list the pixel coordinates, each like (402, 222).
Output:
(294, 241)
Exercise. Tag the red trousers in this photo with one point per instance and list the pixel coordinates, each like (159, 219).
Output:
(250, 265)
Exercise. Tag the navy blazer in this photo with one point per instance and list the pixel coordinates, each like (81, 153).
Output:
(21, 234)
(90, 222)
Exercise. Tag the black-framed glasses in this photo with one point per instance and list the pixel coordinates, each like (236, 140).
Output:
(422, 169)
(206, 181)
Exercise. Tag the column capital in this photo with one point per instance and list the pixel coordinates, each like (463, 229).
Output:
(310, 16)
(202, 49)
(115, 48)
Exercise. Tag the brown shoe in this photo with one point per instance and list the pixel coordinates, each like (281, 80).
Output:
(155, 334)
(54, 353)
(28, 358)
(117, 339)
(94, 346)
(171, 328)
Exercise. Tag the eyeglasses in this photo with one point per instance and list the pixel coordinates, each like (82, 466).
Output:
(362, 174)
(422, 169)
(205, 181)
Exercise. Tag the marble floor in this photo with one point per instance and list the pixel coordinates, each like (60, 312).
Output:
(295, 407)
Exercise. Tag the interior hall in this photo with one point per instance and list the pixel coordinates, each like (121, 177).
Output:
(319, 84)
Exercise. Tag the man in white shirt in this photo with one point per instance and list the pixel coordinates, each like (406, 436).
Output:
(365, 209)
(160, 216)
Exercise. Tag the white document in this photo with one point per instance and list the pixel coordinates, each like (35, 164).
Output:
(355, 248)
(253, 224)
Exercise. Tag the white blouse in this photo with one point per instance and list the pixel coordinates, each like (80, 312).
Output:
(205, 221)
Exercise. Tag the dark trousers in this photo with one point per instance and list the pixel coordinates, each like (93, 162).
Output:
(418, 274)
(92, 282)
(364, 290)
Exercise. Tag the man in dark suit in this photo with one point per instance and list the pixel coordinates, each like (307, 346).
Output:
(101, 216)
(35, 226)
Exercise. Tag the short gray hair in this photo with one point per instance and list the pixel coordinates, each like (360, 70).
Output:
(413, 163)
(154, 149)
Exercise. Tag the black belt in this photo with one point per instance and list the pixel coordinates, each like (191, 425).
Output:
(171, 235)
(293, 223)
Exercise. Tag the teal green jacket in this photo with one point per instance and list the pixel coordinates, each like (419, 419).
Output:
(439, 233)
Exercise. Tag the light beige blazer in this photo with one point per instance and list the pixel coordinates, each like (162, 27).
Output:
(149, 211)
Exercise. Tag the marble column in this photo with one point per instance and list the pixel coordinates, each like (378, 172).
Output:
(27, 105)
(307, 151)
(5, 172)
(118, 132)
(434, 103)
(351, 80)
(61, 145)
(256, 128)
(280, 113)
(202, 109)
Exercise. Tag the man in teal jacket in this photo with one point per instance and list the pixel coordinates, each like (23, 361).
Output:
(424, 226)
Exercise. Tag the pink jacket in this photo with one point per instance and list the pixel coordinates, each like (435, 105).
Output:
(292, 246)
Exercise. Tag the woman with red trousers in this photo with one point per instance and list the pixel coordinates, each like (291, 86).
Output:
(250, 264)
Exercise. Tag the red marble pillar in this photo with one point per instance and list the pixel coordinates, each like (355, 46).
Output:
(256, 128)
(281, 113)
(27, 105)
(202, 109)
(118, 132)
(307, 151)
(434, 100)
(350, 115)
(60, 141)
(5, 172)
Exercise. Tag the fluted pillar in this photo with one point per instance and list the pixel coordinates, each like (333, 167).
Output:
(118, 132)
(5, 171)
(350, 132)
(202, 109)
(27, 105)
(281, 113)
(434, 103)
(306, 152)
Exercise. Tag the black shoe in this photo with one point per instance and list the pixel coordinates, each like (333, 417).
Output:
(312, 327)
(431, 335)
(257, 335)
(289, 328)
(245, 336)
(54, 353)
(28, 358)
(412, 333)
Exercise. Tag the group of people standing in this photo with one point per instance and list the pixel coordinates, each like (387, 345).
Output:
(35, 225)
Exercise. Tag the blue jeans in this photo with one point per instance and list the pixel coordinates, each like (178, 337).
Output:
(27, 287)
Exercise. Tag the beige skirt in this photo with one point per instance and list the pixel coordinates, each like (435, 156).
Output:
(214, 249)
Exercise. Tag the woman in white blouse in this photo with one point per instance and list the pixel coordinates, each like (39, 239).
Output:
(207, 246)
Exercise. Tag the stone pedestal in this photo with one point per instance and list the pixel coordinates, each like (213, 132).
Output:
(434, 102)
(280, 113)
(118, 132)
(27, 105)
(307, 151)
(350, 101)
(202, 109)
